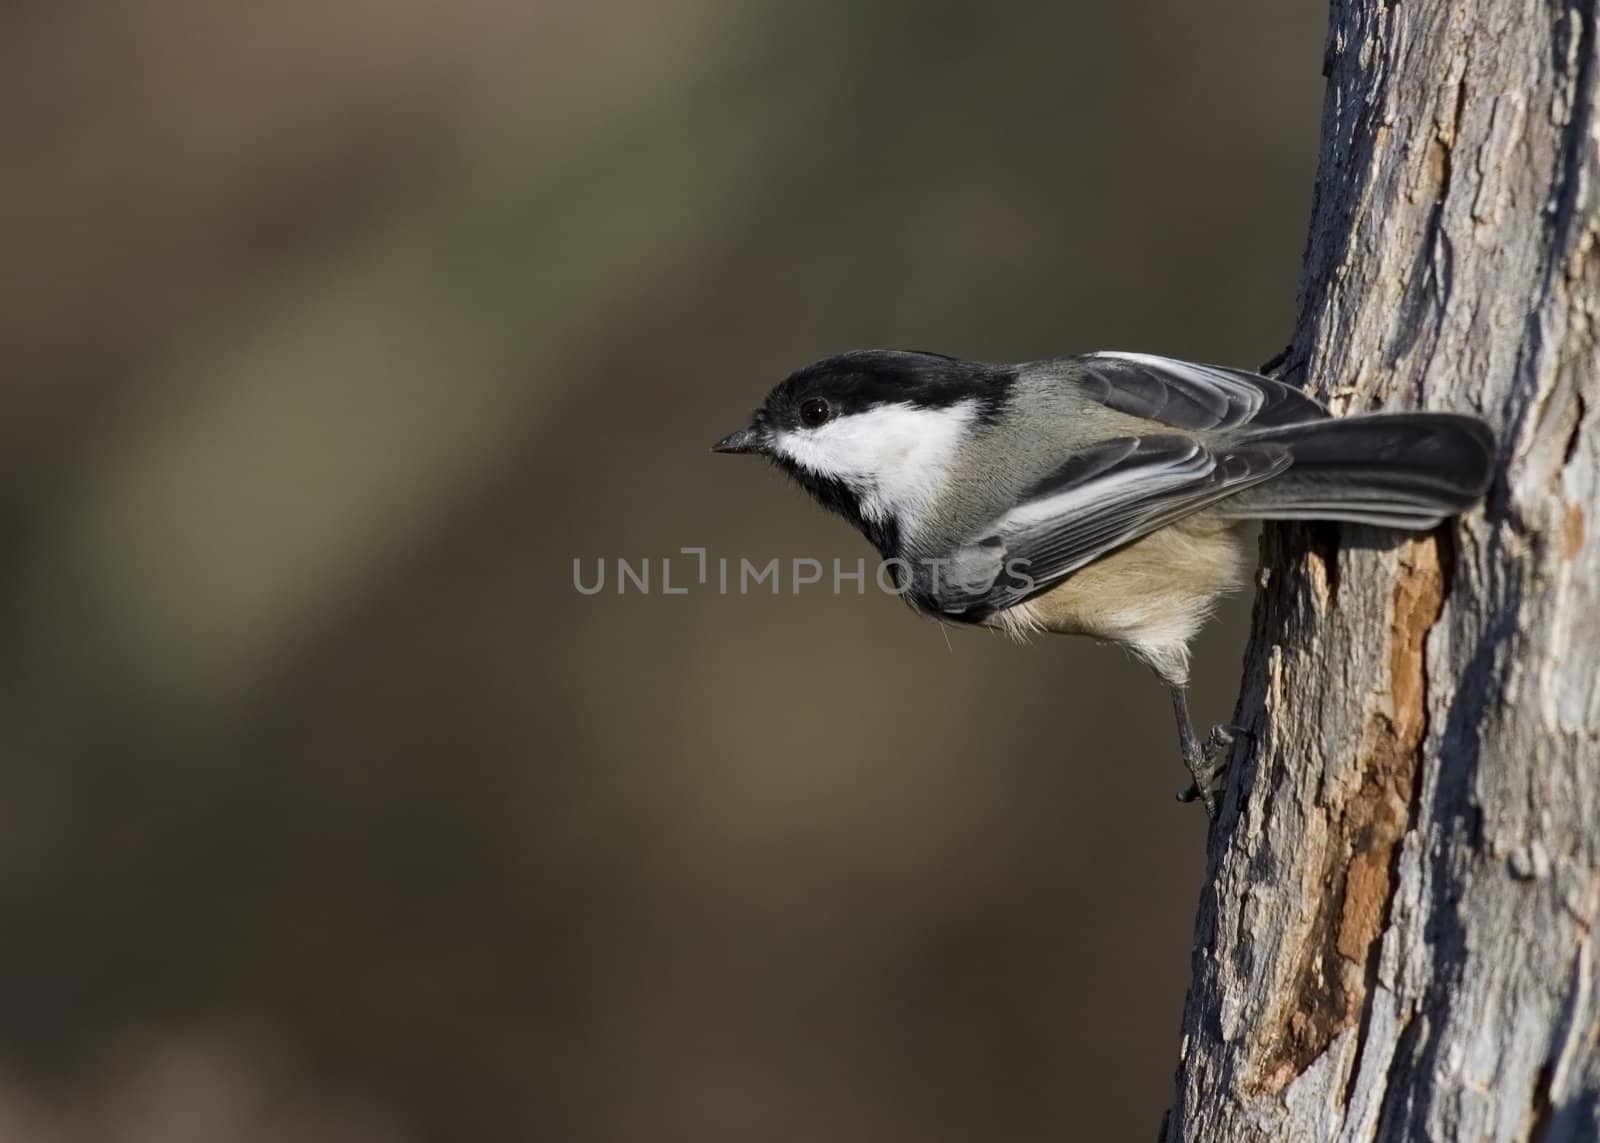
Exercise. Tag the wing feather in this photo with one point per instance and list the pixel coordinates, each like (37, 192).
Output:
(1183, 395)
(1096, 502)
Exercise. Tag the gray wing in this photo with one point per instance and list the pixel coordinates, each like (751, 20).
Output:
(1184, 395)
(1099, 500)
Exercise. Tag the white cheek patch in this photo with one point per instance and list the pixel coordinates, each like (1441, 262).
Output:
(897, 457)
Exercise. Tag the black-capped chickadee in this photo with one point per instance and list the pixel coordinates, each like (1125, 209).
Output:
(1107, 495)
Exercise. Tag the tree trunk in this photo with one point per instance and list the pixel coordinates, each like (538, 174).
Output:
(1397, 935)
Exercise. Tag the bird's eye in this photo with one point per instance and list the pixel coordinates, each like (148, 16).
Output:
(814, 412)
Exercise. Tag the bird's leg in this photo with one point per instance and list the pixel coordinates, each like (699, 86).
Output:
(1207, 763)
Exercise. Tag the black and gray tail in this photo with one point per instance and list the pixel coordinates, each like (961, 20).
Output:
(1392, 470)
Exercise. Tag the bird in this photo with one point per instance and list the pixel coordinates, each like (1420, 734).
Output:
(1105, 494)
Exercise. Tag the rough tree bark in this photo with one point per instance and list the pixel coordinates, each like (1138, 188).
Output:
(1397, 935)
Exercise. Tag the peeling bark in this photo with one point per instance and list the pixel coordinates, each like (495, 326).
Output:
(1396, 938)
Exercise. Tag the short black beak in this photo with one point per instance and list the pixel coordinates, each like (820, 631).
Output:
(750, 439)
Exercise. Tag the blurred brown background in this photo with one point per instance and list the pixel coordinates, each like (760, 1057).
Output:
(333, 333)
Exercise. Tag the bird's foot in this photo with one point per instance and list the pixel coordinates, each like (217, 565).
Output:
(1208, 767)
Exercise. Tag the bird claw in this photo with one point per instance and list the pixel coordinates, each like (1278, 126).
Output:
(1210, 768)
(1221, 738)
(1206, 761)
